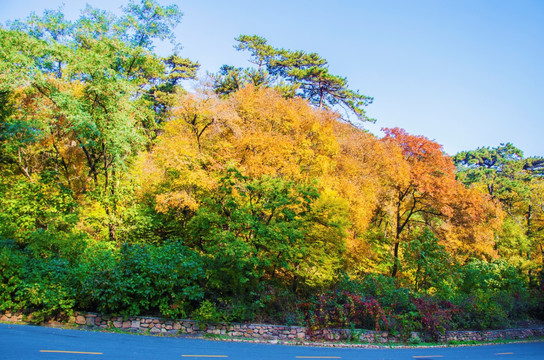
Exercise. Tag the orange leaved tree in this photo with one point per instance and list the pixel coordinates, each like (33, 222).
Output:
(427, 195)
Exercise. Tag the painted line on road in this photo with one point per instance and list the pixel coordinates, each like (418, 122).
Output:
(206, 356)
(427, 356)
(510, 353)
(318, 357)
(71, 352)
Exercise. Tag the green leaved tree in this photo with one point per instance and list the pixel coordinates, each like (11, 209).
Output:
(83, 97)
(514, 181)
(295, 73)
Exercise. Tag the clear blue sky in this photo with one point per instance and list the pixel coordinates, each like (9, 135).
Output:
(465, 73)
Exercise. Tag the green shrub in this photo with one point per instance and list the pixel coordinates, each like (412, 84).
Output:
(46, 301)
(383, 288)
(490, 295)
(12, 262)
(208, 313)
(403, 324)
(40, 287)
(138, 279)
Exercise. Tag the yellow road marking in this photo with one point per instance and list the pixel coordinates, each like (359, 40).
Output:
(318, 357)
(206, 356)
(71, 352)
(510, 353)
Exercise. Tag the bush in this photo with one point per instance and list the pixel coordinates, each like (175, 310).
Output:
(46, 301)
(12, 262)
(536, 309)
(139, 279)
(40, 287)
(435, 316)
(343, 309)
(279, 305)
(208, 313)
(490, 295)
(129, 280)
(50, 277)
(383, 288)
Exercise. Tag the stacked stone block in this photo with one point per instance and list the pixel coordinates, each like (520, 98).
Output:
(259, 332)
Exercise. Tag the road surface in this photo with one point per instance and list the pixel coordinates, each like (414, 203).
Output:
(33, 342)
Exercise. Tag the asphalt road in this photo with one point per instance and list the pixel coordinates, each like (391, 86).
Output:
(32, 342)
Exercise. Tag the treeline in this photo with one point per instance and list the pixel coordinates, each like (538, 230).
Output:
(255, 198)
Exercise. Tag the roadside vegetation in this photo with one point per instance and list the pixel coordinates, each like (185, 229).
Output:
(259, 197)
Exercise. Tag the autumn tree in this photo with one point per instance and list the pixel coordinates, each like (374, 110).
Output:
(364, 166)
(255, 130)
(536, 222)
(244, 177)
(84, 90)
(427, 196)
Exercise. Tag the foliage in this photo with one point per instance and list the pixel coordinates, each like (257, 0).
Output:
(12, 265)
(83, 87)
(264, 229)
(515, 182)
(35, 285)
(435, 316)
(292, 72)
(425, 194)
(343, 309)
(382, 287)
(129, 281)
(140, 278)
(491, 294)
(428, 263)
(121, 192)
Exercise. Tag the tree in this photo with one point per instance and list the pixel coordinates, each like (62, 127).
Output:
(255, 130)
(81, 87)
(512, 180)
(310, 76)
(423, 192)
(261, 53)
(295, 73)
(535, 223)
(429, 196)
(364, 168)
(502, 170)
(162, 94)
(428, 261)
(267, 229)
(147, 21)
(230, 79)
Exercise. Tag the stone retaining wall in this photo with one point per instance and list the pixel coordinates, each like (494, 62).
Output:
(176, 327)
(491, 335)
(154, 325)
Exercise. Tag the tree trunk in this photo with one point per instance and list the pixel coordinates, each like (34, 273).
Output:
(111, 231)
(395, 260)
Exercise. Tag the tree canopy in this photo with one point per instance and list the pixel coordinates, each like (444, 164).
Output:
(257, 199)
(295, 73)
